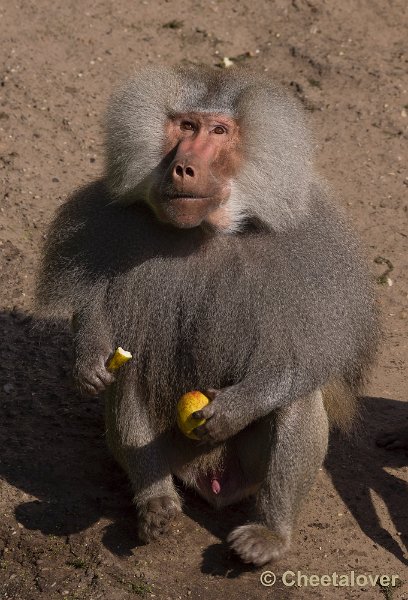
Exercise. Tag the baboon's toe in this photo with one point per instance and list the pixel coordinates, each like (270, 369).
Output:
(257, 544)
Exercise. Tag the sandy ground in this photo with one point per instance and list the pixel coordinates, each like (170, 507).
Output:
(67, 526)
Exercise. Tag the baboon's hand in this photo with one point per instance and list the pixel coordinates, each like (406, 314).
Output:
(220, 422)
(91, 374)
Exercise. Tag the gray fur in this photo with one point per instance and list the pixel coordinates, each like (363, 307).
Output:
(276, 141)
(271, 313)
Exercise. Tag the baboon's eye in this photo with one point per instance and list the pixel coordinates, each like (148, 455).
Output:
(187, 126)
(219, 129)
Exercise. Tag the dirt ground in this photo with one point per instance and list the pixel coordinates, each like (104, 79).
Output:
(67, 526)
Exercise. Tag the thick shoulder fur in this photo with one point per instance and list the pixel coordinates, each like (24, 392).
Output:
(76, 254)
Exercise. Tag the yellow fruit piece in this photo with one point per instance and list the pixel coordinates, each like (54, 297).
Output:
(188, 404)
(118, 359)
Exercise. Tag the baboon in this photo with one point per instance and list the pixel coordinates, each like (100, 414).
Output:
(212, 251)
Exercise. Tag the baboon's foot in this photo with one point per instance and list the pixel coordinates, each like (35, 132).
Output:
(155, 517)
(257, 544)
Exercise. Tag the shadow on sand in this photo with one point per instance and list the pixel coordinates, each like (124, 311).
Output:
(53, 447)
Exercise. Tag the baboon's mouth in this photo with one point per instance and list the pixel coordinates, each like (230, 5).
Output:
(184, 209)
(186, 197)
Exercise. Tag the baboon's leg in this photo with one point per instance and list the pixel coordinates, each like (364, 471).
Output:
(298, 448)
(142, 454)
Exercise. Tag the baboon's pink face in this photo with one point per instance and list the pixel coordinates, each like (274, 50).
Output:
(201, 156)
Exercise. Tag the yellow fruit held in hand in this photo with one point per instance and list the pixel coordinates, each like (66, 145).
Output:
(188, 404)
(118, 359)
